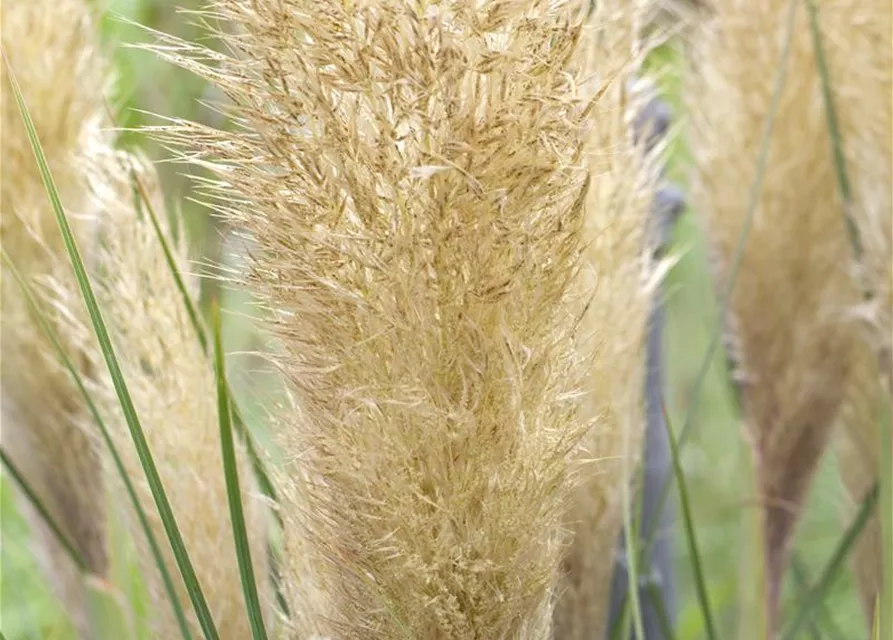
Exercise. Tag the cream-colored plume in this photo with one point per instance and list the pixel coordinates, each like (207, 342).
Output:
(172, 384)
(792, 301)
(45, 428)
(619, 277)
(858, 448)
(857, 42)
(415, 177)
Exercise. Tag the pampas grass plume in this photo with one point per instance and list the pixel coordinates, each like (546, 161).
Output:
(619, 277)
(858, 447)
(415, 178)
(172, 384)
(171, 381)
(857, 41)
(795, 339)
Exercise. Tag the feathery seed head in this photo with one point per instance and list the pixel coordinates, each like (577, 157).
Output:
(857, 41)
(794, 285)
(415, 177)
(48, 432)
(860, 60)
(41, 39)
(619, 276)
(858, 445)
(172, 385)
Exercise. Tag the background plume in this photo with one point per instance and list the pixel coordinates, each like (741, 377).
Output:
(172, 385)
(619, 278)
(857, 43)
(793, 337)
(46, 430)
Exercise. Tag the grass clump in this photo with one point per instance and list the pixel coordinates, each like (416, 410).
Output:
(449, 208)
(170, 379)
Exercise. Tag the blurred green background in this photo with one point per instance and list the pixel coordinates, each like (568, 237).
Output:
(714, 459)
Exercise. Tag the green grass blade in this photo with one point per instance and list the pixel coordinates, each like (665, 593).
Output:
(835, 566)
(799, 574)
(825, 621)
(145, 455)
(65, 359)
(191, 310)
(276, 577)
(632, 556)
(621, 624)
(35, 501)
(843, 181)
(626, 619)
(655, 597)
(690, 536)
(737, 257)
(231, 471)
(885, 603)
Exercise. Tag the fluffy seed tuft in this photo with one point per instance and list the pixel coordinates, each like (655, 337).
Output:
(416, 179)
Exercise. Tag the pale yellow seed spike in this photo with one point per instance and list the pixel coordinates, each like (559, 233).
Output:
(858, 448)
(170, 380)
(860, 58)
(618, 274)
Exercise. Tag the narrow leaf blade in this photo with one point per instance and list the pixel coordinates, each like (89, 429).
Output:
(835, 566)
(231, 472)
(44, 513)
(690, 535)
